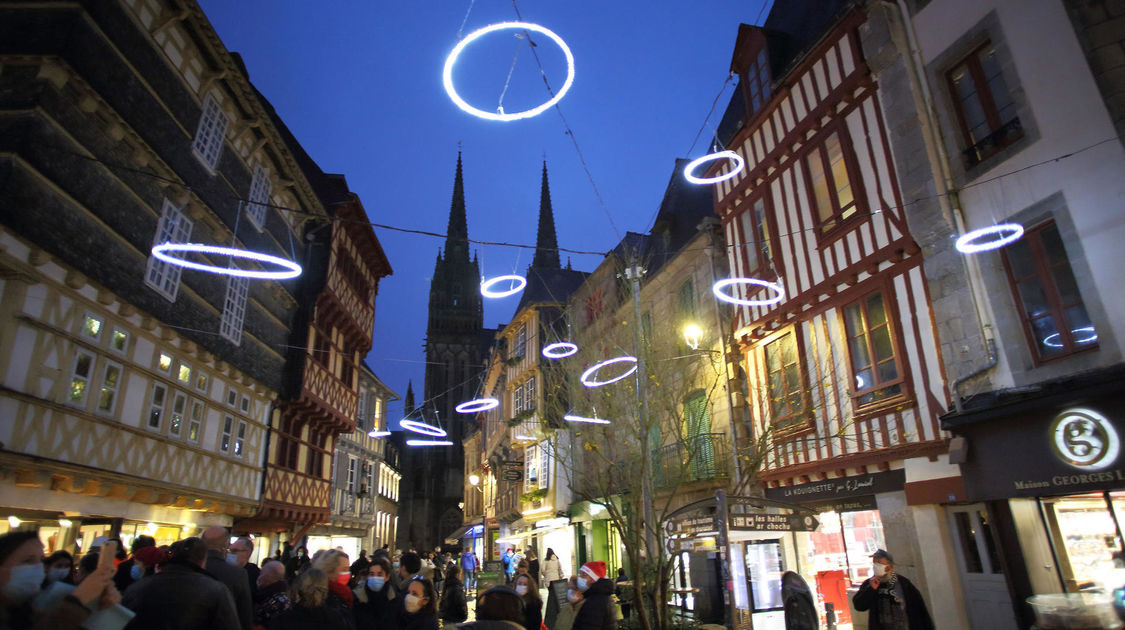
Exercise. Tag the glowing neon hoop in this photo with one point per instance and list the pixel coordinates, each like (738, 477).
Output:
(1010, 233)
(422, 427)
(1086, 329)
(726, 297)
(378, 434)
(429, 443)
(447, 73)
(480, 404)
(730, 155)
(585, 419)
(590, 382)
(560, 350)
(290, 268)
(518, 283)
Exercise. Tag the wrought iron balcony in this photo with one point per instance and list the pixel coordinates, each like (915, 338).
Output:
(703, 457)
(991, 144)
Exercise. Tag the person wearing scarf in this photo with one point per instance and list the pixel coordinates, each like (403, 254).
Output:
(892, 602)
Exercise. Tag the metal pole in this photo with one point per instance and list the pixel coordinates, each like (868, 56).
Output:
(724, 555)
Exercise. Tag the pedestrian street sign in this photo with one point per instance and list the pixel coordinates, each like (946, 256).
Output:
(773, 522)
(696, 526)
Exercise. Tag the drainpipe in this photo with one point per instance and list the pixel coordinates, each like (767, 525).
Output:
(736, 471)
(905, 39)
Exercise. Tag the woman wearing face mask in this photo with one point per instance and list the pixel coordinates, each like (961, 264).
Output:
(454, 609)
(21, 575)
(528, 591)
(375, 607)
(310, 610)
(419, 608)
(60, 567)
(568, 611)
(337, 566)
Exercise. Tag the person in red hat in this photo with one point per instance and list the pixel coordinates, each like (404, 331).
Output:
(599, 612)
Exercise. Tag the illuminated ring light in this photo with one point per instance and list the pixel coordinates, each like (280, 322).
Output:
(480, 404)
(422, 427)
(560, 350)
(730, 155)
(429, 443)
(590, 382)
(1009, 233)
(726, 297)
(518, 283)
(447, 73)
(378, 434)
(289, 269)
(585, 419)
(1086, 329)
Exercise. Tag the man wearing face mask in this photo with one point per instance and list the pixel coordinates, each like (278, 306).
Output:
(376, 600)
(600, 610)
(242, 549)
(223, 565)
(273, 593)
(126, 574)
(892, 602)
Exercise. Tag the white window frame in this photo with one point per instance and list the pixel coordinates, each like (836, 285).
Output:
(227, 433)
(171, 362)
(259, 197)
(195, 424)
(113, 337)
(174, 227)
(240, 439)
(158, 409)
(244, 404)
(202, 381)
(79, 353)
(232, 393)
(521, 341)
(349, 484)
(178, 414)
(112, 390)
(101, 326)
(211, 133)
(234, 309)
(180, 374)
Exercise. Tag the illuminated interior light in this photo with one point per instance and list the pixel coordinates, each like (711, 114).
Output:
(422, 427)
(1008, 233)
(859, 382)
(480, 404)
(739, 163)
(378, 434)
(585, 419)
(1093, 336)
(518, 283)
(65, 522)
(447, 72)
(587, 376)
(14, 522)
(289, 269)
(776, 287)
(560, 350)
(429, 443)
(524, 438)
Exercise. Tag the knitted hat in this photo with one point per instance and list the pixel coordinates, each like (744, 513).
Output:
(150, 556)
(594, 569)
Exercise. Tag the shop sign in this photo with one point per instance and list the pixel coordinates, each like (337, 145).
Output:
(1084, 439)
(773, 522)
(695, 526)
(839, 489)
(511, 471)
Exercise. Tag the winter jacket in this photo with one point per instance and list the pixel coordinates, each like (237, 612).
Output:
(324, 618)
(552, 570)
(237, 581)
(453, 608)
(490, 624)
(272, 600)
(874, 600)
(375, 610)
(181, 597)
(532, 615)
(599, 612)
(418, 621)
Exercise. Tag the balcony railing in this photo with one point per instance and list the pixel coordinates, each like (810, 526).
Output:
(991, 144)
(703, 457)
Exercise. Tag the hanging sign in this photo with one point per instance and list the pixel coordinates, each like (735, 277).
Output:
(773, 522)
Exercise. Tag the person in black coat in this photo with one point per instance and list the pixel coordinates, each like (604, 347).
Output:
(892, 602)
(528, 591)
(376, 604)
(419, 610)
(125, 575)
(309, 612)
(599, 612)
(182, 596)
(454, 608)
(217, 539)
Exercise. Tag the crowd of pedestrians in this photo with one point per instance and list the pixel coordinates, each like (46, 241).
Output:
(209, 583)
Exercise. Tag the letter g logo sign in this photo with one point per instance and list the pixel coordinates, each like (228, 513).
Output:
(1084, 439)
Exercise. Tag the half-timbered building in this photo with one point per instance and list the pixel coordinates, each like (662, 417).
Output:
(843, 366)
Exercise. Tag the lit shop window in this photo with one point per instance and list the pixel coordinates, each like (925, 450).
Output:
(1084, 531)
(843, 544)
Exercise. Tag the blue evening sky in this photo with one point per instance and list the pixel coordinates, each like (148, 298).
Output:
(359, 84)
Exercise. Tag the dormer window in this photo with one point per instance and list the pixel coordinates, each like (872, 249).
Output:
(757, 79)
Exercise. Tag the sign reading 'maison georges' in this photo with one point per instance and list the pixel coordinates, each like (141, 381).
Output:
(1086, 441)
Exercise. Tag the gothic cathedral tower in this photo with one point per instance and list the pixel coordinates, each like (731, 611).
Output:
(455, 347)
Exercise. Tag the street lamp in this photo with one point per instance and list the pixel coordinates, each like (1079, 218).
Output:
(474, 480)
(693, 334)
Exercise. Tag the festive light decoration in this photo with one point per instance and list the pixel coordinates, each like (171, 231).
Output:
(1008, 232)
(1093, 336)
(289, 269)
(422, 427)
(429, 443)
(726, 297)
(378, 434)
(480, 404)
(447, 72)
(570, 418)
(587, 376)
(518, 283)
(739, 163)
(560, 350)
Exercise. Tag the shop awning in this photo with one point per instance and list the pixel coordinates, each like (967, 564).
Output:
(460, 532)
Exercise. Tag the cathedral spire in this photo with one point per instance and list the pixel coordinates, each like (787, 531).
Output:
(457, 233)
(546, 243)
(408, 400)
